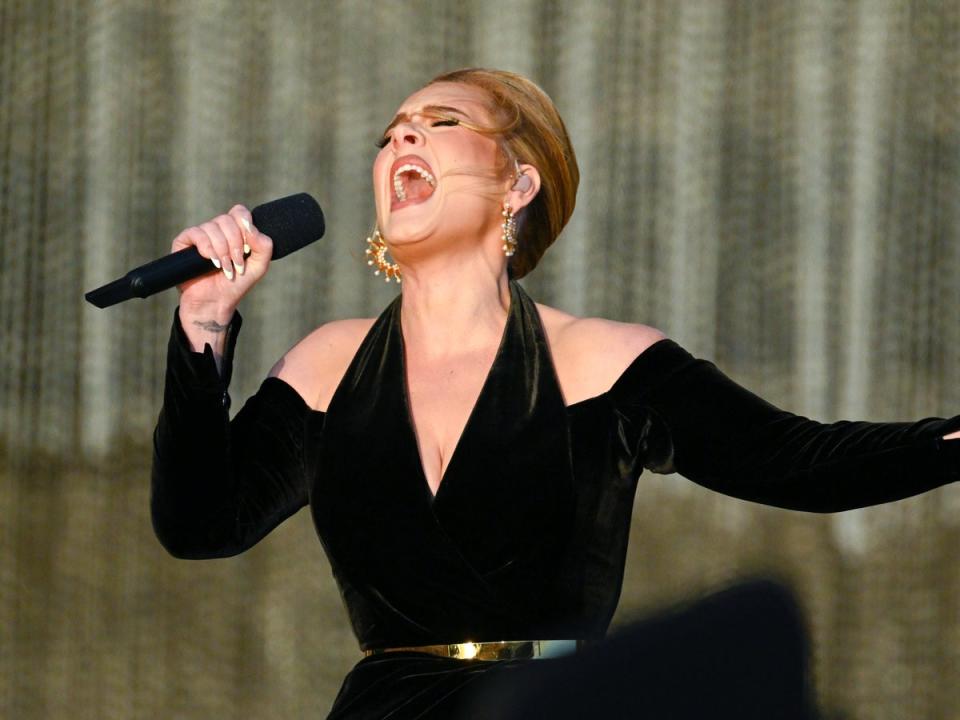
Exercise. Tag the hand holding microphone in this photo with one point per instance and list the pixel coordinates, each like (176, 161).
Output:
(235, 247)
(277, 228)
(215, 263)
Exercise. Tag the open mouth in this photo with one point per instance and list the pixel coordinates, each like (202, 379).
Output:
(413, 182)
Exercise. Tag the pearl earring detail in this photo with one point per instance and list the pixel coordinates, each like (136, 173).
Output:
(378, 257)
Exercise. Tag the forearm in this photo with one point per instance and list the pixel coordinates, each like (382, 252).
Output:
(808, 466)
(734, 442)
(193, 490)
(207, 325)
(219, 485)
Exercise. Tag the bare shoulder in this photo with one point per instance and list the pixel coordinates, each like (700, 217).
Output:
(597, 335)
(591, 353)
(315, 365)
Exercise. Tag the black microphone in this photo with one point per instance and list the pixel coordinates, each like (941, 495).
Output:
(291, 222)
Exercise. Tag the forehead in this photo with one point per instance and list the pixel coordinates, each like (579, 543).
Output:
(469, 99)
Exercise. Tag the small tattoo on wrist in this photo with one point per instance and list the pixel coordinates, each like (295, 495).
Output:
(210, 325)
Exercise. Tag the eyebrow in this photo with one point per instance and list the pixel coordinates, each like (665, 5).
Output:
(426, 110)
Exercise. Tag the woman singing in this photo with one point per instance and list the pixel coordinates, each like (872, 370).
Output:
(470, 457)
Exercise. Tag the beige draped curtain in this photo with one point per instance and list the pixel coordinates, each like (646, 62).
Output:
(776, 185)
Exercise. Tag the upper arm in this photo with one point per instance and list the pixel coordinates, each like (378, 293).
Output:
(315, 365)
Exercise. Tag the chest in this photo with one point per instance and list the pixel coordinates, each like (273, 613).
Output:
(442, 394)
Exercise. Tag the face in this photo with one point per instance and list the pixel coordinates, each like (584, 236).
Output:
(435, 177)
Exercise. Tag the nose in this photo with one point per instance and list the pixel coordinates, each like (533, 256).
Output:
(406, 134)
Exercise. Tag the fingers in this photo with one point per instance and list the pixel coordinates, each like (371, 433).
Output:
(198, 238)
(254, 241)
(231, 242)
(235, 240)
(244, 220)
(221, 247)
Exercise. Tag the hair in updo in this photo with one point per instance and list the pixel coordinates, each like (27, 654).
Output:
(529, 130)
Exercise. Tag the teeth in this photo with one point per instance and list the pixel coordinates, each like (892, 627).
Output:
(425, 174)
(409, 167)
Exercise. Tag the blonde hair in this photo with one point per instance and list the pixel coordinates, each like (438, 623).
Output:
(529, 130)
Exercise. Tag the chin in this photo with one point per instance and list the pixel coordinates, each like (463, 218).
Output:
(409, 224)
(401, 237)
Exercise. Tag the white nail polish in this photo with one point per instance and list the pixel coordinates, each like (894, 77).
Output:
(239, 268)
(216, 263)
(228, 273)
(246, 249)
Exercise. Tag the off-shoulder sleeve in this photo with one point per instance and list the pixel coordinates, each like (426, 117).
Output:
(724, 437)
(218, 486)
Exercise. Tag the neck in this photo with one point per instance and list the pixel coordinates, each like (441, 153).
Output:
(454, 303)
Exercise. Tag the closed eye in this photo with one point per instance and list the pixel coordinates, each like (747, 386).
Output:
(443, 122)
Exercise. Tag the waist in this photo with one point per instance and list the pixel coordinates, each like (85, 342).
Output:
(495, 650)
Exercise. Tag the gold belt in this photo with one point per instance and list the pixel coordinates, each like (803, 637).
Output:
(498, 650)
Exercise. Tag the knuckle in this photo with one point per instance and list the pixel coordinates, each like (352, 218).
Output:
(190, 236)
(230, 225)
(215, 235)
(224, 228)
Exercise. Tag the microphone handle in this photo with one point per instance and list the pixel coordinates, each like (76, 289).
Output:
(178, 267)
(154, 276)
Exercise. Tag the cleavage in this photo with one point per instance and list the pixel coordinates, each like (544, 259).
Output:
(442, 396)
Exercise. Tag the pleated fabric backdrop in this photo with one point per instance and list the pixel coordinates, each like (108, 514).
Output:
(776, 185)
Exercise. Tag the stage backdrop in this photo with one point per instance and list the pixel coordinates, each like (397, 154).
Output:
(776, 185)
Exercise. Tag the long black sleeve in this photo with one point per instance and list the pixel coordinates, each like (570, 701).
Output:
(721, 436)
(219, 486)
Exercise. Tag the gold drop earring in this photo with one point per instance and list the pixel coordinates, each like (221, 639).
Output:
(378, 258)
(509, 228)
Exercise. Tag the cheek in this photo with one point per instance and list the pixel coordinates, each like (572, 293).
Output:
(380, 167)
(475, 174)
(480, 153)
(469, 152)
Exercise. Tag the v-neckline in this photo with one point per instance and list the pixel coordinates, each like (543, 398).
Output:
(408, 405)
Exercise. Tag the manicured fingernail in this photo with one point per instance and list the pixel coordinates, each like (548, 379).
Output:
(216, 263)
(246, 249)
(228, 273)
(239, 267)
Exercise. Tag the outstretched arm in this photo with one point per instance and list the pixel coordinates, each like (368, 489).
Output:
(724, 437)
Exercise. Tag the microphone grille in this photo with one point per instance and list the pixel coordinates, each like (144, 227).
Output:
(291, 222)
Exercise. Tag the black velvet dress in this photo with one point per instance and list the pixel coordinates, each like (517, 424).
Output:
(526, 536)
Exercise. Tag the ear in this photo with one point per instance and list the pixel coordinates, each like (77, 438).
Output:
(524, 188)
